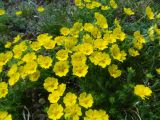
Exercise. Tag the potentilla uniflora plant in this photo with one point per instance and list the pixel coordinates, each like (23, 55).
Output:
(82, 50)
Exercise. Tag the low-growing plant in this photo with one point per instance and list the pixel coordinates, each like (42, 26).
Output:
(91, 60)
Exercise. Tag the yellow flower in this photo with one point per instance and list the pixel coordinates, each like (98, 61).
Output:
(54, 97)
(113, 70)
(133, 52)
(93, 5)
(85, 100)
(2, 12)
(79, 3)
(49, 44)
(151, 32)
(3, 89)
(46, 41)
(44, 61)
(12, 70)
(149, 13)
(80, 70)
(138, 45)
(84, 48)
(88, 27)
(95, 57)
(139, 40)
(103, 115)
(128, 11)
(20, 62)
(87, 0)
(17, 52)
(119, 34)
(50, 84)
(30, 67)
(8, 45)
(40, 9)
(87, 39)
(5, 57)
(100, 44)
(65, 31)
(35, 46)
(22, 71)
(70, 42)
(158, 16)
(157, 30)
(117, 54)
(101, 59)
(142, 91)
(158, 70)
(117, 23)
(104, 60)
(77, 27)
(139, 37)
(9, 117)
(96, 33)
(61, 68)
(16, 39)
(105, 7)
(14, 79)
(18, 49)
(78, 57)
(18, 13)
(61, 89)
(1, 69)
(96, 115)
(29, 57)
(101, 20)
(8, 55)
(70, 99)
(22, 46)
(113, 4)
(59, 40)
(62, 55)
(35, 76)
(109, 37)
(73, 112)
(5, 116)
(55, 111)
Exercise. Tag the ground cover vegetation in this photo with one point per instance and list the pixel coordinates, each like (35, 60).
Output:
(79, 59)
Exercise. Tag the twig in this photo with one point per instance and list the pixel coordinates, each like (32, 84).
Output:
(28, 113)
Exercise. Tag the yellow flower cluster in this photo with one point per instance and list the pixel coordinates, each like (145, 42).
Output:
(74, 53)
(18, 13)
(158, 70)
(113, 70)
(96, 115)
(4, 58)
(5, 116)
(40, 9)
(56, 90)
(78, 45)
(3, 89)
(72, 108)
(139, 40)
(142, 91)
(128, 11)
(91, 4)
(149, 13)
(117, 54)
(2, 12)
